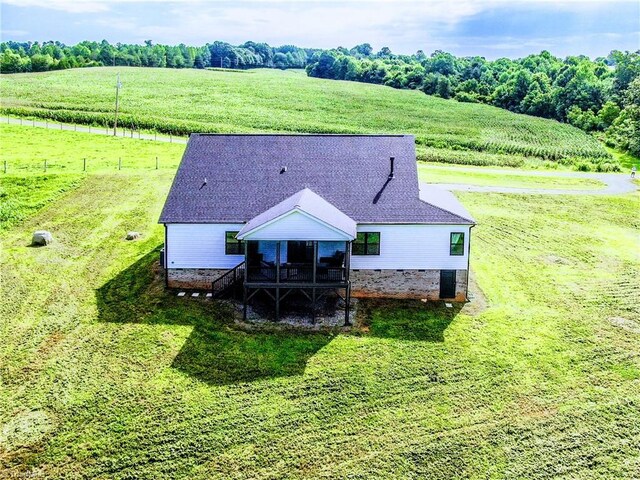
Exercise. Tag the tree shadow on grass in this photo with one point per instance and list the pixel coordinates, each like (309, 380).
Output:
(406, 319)
(216, 352)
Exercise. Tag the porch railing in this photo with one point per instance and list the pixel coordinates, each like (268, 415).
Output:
(231, 278)
(296, 274)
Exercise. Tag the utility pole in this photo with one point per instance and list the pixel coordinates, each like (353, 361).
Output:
(115, 123)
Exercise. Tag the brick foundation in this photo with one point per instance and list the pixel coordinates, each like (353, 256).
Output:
(404, 284)
(364, 283)
(195, 278)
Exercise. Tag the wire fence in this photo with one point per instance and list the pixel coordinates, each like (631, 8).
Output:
(86, 165)
(121, 131)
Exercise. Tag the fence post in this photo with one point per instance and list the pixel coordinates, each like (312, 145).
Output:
(45, 164)
(75, 127)
(46, 123)
(84, 164)
(5, 166)
(155, 134)
(156, 163)
(119, 163)
(20, 120)
(89, 128)
(60, 125)
(33, 122)
(170, 139)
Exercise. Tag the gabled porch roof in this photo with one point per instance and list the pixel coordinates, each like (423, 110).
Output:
(304, 215)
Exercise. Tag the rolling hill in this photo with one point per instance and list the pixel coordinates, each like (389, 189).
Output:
(183, 101)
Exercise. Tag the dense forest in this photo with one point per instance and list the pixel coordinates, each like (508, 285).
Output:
(35, 57)
(601, 95)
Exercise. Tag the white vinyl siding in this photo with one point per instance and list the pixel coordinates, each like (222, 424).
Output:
(401, 246)
(200, 245)
(414, 247)
(296, 226)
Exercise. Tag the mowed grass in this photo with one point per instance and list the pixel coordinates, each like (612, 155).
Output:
(106, 375)
(24, 196)
(25, 150)
(267, 100)
(431, 173)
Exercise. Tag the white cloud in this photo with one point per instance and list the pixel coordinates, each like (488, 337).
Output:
(14, 33)
(71, 6)
(404, 26)
(451, 10)
(320, 24)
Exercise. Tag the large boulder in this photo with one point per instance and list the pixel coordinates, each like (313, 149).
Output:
(133, 235)
(42, 238)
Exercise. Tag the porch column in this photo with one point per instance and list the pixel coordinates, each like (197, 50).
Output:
(315, 261)
(347, 260)
(244, 284)
(278, 262)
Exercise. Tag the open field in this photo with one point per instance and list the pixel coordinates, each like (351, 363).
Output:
(106, 375)
(182, 101)
(431, 173)
(26, 148)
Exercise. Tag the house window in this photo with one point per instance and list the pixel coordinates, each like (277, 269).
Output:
(456, 246)
(233, 246)
(366, 243)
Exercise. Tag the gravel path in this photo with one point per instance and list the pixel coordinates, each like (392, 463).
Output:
(616, 183)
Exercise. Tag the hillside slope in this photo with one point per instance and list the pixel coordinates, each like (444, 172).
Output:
(183, 101)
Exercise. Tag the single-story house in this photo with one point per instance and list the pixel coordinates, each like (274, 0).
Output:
(278, 212)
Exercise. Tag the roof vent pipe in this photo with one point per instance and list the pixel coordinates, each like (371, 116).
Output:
(391, 173)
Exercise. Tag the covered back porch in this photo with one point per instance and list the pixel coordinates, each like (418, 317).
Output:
(301, 244)
(297, 261)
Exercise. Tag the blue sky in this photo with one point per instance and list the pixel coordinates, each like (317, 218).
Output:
(491, 28)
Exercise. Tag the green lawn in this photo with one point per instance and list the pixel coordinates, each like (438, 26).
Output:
(431, 173)
(267, 100)
(625, 159)
(105, 375)
(26, 148)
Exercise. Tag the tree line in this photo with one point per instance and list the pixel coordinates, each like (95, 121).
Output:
(16, 57)
(600, 95)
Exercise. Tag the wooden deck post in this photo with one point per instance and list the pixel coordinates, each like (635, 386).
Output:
(347, 269)
(347, 305)
(244, 284)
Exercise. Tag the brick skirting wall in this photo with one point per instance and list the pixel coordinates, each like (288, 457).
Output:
(364, 283)
(404, 284)
(196, 278)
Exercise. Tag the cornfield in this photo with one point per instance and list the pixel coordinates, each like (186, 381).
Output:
(179, 102)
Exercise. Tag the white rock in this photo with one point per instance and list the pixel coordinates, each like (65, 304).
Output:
(133, 235)
(41, 237)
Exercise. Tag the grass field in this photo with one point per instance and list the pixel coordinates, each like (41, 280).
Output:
(105, 375)
(266, 100)
(26, 148)
(431, 173)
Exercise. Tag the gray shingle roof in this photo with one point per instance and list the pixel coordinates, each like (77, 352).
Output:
(244, 177)
(445, 200)
(310, 203)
